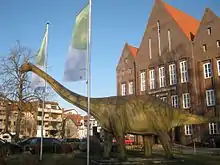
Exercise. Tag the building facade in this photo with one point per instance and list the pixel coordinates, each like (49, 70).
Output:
(178, 61)
(52, 119)
(76, 125)
(9, 116)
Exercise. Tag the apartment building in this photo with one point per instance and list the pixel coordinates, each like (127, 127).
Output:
(178, 60)
(52, 119)
(31, 118)
(8, 119)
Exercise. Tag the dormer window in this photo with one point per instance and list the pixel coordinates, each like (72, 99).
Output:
(218, 43)
(204, 47)
(209, 30)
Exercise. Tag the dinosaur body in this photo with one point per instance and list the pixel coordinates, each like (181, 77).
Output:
(119, 115)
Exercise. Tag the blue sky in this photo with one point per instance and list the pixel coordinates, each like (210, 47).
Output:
(114, 22)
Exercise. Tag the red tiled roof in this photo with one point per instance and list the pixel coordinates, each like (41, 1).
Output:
(133, 50)
(187, 23)
(76, 118)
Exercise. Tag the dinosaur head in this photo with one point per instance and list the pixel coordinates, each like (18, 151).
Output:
(25, 67)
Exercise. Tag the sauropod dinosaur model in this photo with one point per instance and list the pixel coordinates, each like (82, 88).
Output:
(120, 115)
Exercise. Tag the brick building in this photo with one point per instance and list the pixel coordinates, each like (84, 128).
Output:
(178, 60)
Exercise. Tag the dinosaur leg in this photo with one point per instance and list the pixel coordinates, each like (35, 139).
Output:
(121, 147)
(148, 143)
(166, 143)
(119, 135)
(107, 144)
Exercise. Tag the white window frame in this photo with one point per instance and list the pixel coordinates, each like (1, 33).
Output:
(131, 87)
(183, 71)
(169, 40)
(158, 37)
(213, 128)
(172, 73)
(218, 43)
(150, 50)
(123, 89)
(164, 99)
(125, 60)
(206, 70)
(143, 80)
(188, 129)
(204, 47)
(186, 100)
(210, 97)
(209, 31)
(175, 101)
(162, 78)
(152, 79)
(218, 67)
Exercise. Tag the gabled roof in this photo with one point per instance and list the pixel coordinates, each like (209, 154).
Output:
(133, 50)
(208, 15)
(187, 23)
(76, 118)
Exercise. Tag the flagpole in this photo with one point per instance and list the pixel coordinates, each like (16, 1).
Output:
(89, 77)
(45, 86)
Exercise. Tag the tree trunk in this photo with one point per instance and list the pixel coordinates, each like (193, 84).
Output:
(18, 125)
(20, 108)
(7, 113)
(148, 144)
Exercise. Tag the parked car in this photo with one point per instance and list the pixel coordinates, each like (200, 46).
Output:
(83, 144)
(70, 140)
(50, 145)
(73, 142)
(95, 144)
(127, 141)
(10, 148)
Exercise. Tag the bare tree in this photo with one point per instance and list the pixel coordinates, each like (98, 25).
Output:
(15, 85)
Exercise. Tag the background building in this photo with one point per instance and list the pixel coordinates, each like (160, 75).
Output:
(178, 61)
(76, 125)
(8, 119)
(52, 119)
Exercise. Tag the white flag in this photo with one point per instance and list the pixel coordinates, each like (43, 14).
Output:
(75, 66)
(38, 82)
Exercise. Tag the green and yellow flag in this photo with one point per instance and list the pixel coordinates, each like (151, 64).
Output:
(38, 82)
(75, 66)
(40, 59)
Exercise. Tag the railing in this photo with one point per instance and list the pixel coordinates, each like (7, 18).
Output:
(58, 111)
(140, 148)
(50, 119)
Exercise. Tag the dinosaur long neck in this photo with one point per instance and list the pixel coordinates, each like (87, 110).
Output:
(73, 98)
